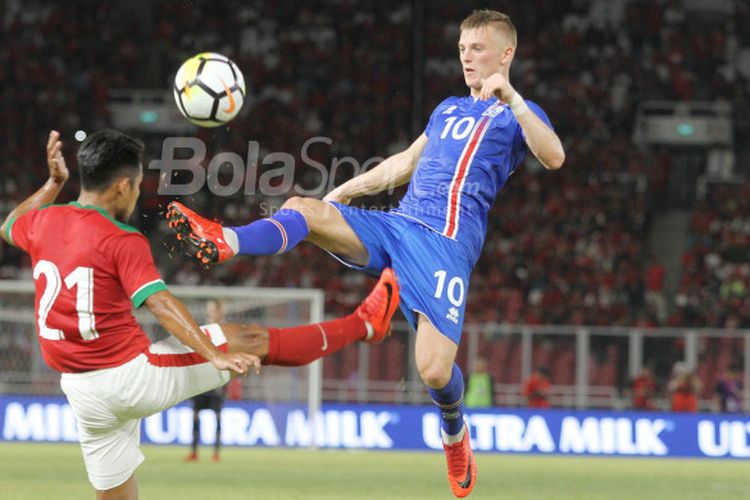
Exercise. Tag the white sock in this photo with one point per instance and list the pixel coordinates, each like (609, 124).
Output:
(231, 238)
(448, 439)
(370, 330)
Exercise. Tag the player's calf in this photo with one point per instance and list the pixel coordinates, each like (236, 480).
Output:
(299, 219)
(299, 345)
(209, 242)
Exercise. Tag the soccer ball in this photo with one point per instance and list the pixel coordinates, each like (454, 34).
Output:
(209, 89)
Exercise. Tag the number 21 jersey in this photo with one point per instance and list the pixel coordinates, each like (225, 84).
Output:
(89, 272)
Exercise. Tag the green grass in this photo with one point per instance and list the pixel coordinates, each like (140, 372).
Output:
(44, 471)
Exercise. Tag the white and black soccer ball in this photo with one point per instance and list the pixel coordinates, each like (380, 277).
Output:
(209, 89)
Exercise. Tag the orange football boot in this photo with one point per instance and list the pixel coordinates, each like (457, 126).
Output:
(380, 306)
(201, 238)
(462, 469)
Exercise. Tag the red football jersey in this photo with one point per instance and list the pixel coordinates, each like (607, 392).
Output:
(89, 272)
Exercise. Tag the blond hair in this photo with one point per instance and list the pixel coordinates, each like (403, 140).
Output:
(486, 17)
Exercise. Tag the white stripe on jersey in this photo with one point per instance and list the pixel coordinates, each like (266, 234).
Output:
(144, 286)
(454, 202)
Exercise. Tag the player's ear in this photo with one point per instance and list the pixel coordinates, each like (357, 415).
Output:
(123, 185)
(507, 55)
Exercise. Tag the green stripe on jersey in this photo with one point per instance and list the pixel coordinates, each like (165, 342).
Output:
(146, 291)
(121, 225)
(8, 236)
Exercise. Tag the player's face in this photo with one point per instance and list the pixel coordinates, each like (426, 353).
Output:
(482, 53)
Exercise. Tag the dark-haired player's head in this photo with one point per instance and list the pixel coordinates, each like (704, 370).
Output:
(486, 46)
(109, 163)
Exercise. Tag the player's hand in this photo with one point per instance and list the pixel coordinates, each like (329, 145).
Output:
(338, 195)
(497, 85)
(58, 171)
(238, 362)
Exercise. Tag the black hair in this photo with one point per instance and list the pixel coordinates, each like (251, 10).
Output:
(107, 155)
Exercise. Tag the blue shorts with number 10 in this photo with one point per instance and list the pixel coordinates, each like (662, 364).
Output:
(433, 270)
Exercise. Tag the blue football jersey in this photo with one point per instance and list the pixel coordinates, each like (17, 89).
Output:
(473, 147)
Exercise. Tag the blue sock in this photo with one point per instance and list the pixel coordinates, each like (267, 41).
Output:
(450, 401)
(277, 234)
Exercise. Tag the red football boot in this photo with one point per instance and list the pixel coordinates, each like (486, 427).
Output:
(201, 238)
(462, 469)
(380, 306)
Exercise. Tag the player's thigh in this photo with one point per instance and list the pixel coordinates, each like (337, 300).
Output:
(170, 385)
(126, 491)
(329, 230)
(110, 441)
(112, 456)
(170, 372)
(434, 275)
(434, 354)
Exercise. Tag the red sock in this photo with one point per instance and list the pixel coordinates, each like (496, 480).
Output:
(301, 345)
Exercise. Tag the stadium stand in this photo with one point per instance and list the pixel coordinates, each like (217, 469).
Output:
(567, 247)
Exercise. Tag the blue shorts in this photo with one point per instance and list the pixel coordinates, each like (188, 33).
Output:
(433, 270)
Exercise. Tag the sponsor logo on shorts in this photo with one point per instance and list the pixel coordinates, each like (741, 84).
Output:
(452, 315)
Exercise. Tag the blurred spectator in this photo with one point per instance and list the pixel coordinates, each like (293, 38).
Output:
(684, 387)
(302, 61)
(643, 389)
(715, 270)
(536, 389)
(479, 387)
(728, 390)
(60, 61)
(655, 274)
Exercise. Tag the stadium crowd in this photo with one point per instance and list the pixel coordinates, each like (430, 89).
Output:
(564, 247)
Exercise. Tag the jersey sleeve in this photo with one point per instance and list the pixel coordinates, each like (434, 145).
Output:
(135, 267)
(19, 230)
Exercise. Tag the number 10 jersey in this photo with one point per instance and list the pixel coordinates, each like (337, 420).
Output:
(472, 148)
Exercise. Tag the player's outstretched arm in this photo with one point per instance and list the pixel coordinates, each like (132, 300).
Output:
(542, 140)
(392, 172)
(176, 319)
(58, 175)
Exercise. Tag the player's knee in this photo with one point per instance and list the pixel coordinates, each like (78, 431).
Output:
(305, 206)
(310, 208)
(254, 334)
(252, 339)
(434, 374)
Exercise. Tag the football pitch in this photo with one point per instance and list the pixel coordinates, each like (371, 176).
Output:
(45, 471)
